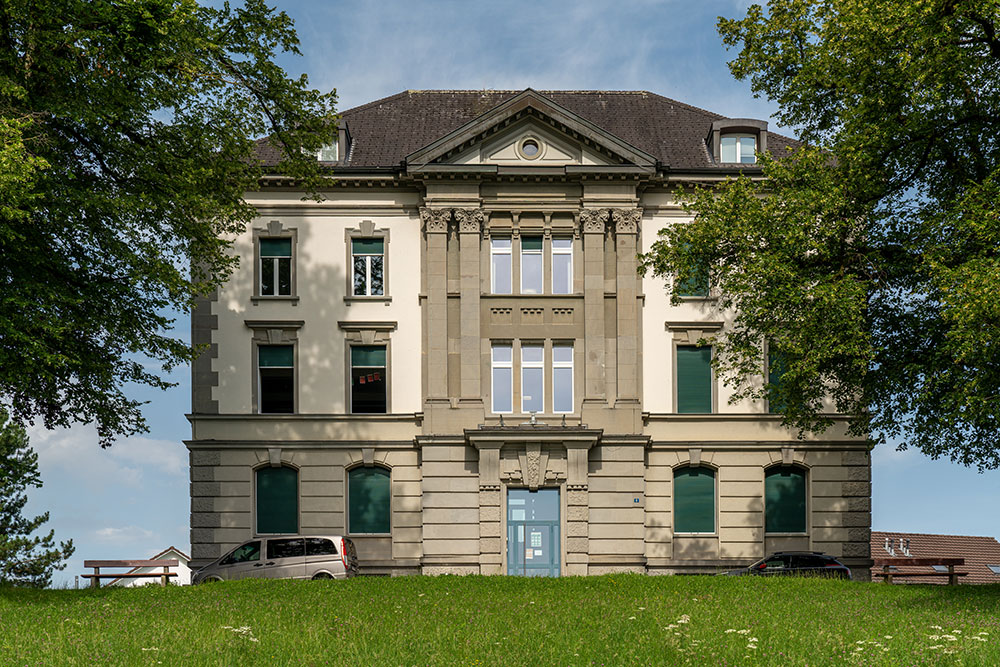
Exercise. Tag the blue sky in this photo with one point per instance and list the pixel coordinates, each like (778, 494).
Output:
(131, 501)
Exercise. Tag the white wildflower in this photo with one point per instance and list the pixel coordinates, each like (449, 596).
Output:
(671, 626)
(631, 618)
(684, 619)
(744, 632)
(752, 639)
(951, 638)
(956, 632)
(934, 638)
(937, 627)
(752, 647)
(986, 634)
(151, 648)
(642, 609)
(936, 646)
(730, 631)
(978, 639)
(887, 636)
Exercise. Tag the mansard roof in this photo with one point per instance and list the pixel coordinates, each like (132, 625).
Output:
(384, 132)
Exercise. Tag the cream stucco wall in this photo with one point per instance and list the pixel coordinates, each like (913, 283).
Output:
(322, 283)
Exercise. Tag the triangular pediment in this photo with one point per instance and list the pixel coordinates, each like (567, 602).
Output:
(529, 131)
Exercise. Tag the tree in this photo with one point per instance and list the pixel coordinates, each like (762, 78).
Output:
(24, 560)
(128, 134)
(868, 258)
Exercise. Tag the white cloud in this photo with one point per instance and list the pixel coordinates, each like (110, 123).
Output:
(128, 462)
(123, 534)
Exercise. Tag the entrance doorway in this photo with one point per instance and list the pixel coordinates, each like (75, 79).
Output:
(533, 543)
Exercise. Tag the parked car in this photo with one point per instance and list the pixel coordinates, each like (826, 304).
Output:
(292, 557)
(795, 563)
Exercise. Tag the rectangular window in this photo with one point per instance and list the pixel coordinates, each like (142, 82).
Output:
(276, 379)
(694, 500)
(532, 378)
(562, 378)
(776, 367)
(531, 265)
(367, 256)
(503, 378)
(562, 266)
(368, 382)
(739, 148)
(275, 266)
(500, 266)
(694, 379)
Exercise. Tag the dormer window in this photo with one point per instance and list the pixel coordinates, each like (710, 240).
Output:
(740, 148)
(737, 140)
(327, 153)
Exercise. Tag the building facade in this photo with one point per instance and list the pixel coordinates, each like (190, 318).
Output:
(452, 358)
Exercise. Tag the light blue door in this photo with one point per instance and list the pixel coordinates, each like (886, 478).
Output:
(533, 543)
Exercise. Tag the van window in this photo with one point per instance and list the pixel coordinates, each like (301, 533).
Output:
(285, 548)
(318, 546)
(245, 553)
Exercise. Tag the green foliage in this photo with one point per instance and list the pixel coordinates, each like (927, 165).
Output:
(868, 261)
(127, 135)
(609, 620)
(24, 560)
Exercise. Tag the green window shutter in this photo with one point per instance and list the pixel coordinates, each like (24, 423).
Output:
(277, 500)
(369, 500)
(368, 355)
(694, 379)
(275, 355)
(694, 500)
(275, 247)
(785, 500)
(367, 246)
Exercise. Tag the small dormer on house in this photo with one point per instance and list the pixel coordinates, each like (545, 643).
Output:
(737, 141)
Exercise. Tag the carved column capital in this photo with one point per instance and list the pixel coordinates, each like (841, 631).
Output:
(593, 220)
(470, 220)
(435, 219)
(626, 220)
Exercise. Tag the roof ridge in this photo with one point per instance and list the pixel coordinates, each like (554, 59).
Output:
(898, 532)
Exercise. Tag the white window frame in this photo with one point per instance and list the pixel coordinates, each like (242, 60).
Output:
(275, 264)
(530, 365)
(532, 252)
(552, 264)
(368, 267)
(572, 378)
(330, 151)
(494, 365)
(495, 252)
(739, 147)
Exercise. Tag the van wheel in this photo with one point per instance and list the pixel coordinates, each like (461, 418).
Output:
(211, 580)
(322, 575)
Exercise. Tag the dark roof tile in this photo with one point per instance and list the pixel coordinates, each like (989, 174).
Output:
(385, 131)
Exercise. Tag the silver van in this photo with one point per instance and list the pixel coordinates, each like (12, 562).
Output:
(289, 557)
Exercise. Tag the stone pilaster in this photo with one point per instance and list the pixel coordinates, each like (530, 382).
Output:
(577, 510)
(470, 224)
(626, 223)
(592, 223)
(436, 313)
(490, 510)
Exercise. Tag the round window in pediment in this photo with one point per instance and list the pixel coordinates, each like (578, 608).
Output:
(529, 148)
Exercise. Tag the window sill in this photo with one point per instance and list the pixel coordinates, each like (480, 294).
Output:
(373, 299)
(697, 299)
(786, 534)
(355, 535)
(294, 300)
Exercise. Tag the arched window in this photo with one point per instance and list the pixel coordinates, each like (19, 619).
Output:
(277, 500)
(369, 496)
(694, 500)
(785, 500)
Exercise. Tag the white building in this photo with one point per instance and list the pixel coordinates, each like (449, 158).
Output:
(452, 359)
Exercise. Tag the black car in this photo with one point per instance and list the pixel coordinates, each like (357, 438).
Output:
(796, 563)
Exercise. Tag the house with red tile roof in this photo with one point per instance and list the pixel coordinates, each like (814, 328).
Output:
(981, 554)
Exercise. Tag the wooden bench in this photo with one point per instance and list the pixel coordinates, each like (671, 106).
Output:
(96, 577)
(950, 563)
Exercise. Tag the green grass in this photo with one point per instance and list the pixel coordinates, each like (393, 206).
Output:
(610, 620)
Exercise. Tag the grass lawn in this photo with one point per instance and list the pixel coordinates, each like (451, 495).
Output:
(610, 620)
